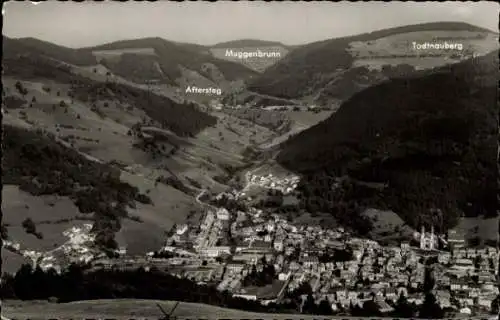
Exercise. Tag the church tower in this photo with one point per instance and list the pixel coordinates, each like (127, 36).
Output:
(422, 238)
(431, 245)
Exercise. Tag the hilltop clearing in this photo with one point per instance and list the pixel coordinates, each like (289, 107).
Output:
(251, 43)
(337, 68)
(257, 58)
(166, 60)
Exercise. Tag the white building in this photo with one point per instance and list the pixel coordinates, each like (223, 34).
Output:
(223, 214)
(212, 252)
(278, 245)
(181, 229)
(427, 241)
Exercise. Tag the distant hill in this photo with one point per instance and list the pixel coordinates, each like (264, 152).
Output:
(431, 140)
(142, 61)
(276, 51)
(335, 69)
(248, 43)
(12, 48)
(166, 58)
(182, 118)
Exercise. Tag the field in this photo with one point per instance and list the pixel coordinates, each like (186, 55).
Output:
(11, 262)
(126, 309)
(257, 64)
(105, 53)
(51, 215)
(301, 120)
(388, 226)
(486, 229)
(383, 51)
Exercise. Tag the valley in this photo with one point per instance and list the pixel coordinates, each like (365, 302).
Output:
(253, 175)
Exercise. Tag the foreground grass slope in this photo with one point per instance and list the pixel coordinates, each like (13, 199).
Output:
(430, 142)
(127, 308)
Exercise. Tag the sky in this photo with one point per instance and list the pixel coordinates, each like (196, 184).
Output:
(74, 24)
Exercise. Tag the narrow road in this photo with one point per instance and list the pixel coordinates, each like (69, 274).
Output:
(201, 195)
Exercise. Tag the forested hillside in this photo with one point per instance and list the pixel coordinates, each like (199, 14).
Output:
(38, 164)
(430, 140)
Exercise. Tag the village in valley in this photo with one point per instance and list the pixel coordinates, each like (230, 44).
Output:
(263, 257)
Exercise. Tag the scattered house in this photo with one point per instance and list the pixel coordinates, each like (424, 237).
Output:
(223, 214)
(181, 229)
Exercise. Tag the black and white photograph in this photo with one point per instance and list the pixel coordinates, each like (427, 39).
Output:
(250, 160)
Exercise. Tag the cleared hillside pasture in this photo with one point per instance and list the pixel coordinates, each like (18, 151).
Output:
(170, 206)
(224, 143)
(306, 119)
(398, 49)
(258, 64)
(314, 66)
(171, 55)
(22, 204)
(401, 45)
(41, 166)
(140, 51)
(242, 96)
(11, 261)
(485, 229)
(140, 238)
(52, 235)
(100, 131)
(388, 227)
(250, 43)
(52, 215)
(300, 120)
(273, 120)
(184, 119)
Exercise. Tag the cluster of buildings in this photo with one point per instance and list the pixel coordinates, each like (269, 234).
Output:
(78, 248)
(227, 245)
(285, 184)
(354, 270)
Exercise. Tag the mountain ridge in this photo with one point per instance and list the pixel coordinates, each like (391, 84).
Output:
(248, 43)
(320, 65)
